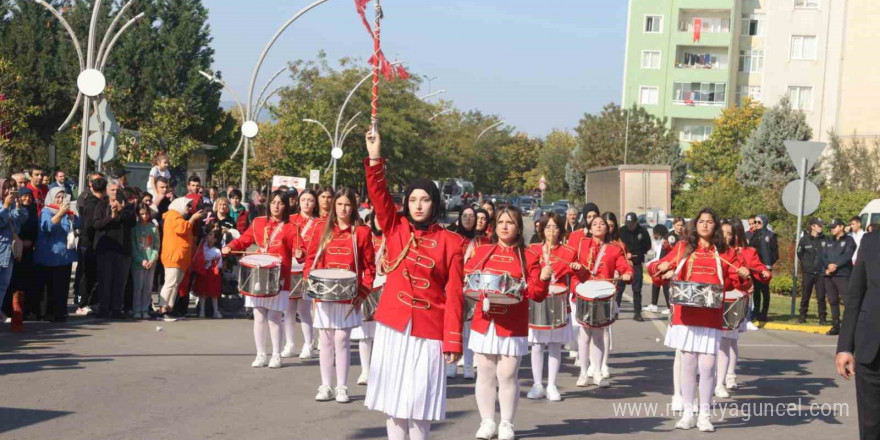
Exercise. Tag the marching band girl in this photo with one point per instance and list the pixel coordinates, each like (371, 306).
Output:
(482, 226)
(419, 317)
(600, 259)
(614, 234)
(728, 351)
(325, 202)
(273, 234)
(499, 333)
(702, 257)
(365, 332)
(574, 241)
(306, 220)
(342, 244)
(559, 257)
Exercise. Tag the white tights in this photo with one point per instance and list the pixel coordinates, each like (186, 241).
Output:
(595, 339)
(676, 373)
(555, 353)
(500, 371)
(304, 308)
(274, 326)
(365, 348)
(408, 429)
(335, 342)
(689, 363)
(728, 352)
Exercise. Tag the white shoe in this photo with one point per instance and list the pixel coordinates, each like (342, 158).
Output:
(591, 371)
(677, 404)
(704, 422)
(721, 392)
(573, 354)
(260, 361)
(201, 313)
(505, 430)
(730, 382)
(606, 373)
(342, 394)
(460, 362)
(275, 361)
(288, 351)
(652, 308)
(137, 316)
(600, 381)
(665, 312)
(537, 392)
(583, 379)
(306, 352)
(362, 379)
(752, 327)
(325, 393)
(469, 372)
(687, 421)
(487, 429)
(451, 371)
(218, 315)
(553, 393)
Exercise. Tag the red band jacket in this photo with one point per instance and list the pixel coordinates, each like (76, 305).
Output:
(423, 266)
(561, 257)
(339, 253)
(284, 244)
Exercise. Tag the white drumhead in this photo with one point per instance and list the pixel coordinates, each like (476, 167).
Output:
(333, 274)
(556, 290)
(258, 260)
(596, 289)
(296, 267)
(379, 281)
(733, 294)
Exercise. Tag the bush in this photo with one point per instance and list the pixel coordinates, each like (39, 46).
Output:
(781, 285)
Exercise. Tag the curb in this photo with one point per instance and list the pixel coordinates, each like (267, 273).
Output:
(803, 328)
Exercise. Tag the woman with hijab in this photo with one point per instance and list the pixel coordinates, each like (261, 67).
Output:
(12, 214)
(55, 251)
(419, 326)
(176, 250)
(25, 277)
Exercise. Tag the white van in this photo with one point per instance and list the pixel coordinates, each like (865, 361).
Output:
(871, 213)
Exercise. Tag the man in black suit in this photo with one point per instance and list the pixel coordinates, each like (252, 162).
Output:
(858, 344)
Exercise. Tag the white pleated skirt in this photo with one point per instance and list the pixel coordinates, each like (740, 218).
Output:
(492, 344)
(277, 303)
(560, 335)
(366, 330)
(693, 339)
(407, 376)
(335, 316)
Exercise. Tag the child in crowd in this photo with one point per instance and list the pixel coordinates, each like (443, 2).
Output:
(160, 169)
(144, 258)
(661, 247)
(206, 270)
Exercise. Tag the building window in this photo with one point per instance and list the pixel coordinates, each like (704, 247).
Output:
(743, 92)
(650, 59)
(649, 95)
(695, 93)
(801, 97)
(709, 25)
(692, 60)
(751, 61)
(694, 133)
(803, 47)
(806, 4)
(653, 24)
(753, 24)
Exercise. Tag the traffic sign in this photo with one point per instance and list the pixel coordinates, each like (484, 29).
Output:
(315, 176)
(791, 197)
(102, 147)
(798, 150)
(107, 118)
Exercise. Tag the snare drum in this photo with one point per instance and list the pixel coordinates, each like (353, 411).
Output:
(260, 275)
(701, 295)
(297, 286)
(595, 307)
(371, 303)
(332, 285)
(499, 289)
(552, 313)
(736, 308)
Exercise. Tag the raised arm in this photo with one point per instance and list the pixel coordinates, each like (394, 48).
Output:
(377, 186)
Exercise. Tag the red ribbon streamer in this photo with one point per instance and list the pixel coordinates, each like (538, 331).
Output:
(378, 60)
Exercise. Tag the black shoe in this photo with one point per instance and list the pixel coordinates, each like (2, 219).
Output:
(822, 321)
(802, 319)
(117, 315)
(638, 318)
(833, 332)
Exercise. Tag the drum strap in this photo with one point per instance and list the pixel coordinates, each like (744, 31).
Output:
(598, 261)
(470, 249)
(268, 239)
(307, 227)
(354, 248)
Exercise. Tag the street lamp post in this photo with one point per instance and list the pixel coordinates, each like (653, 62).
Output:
(432, 94)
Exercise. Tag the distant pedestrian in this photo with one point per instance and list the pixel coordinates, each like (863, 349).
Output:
(856, 232)
(113, 221)
(764, 241)
(638, 243)
(144, 259)
(837, 258)
(60, 181)
(160, 169)
(56, 251)
(809, 253)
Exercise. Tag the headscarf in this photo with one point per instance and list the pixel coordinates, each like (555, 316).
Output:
(181, 205)
(590, 207)
(459, 229)
(432, 190)
(764, 221)
(50, 199)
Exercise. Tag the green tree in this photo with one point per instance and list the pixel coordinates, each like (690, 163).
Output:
(719, 156)
(166, 131)
(554, 158)
(519, 158)
(851, 164)
(765, 162)
(16, 148)
(574, 179)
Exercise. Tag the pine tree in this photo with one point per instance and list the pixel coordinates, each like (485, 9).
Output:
(574, 179)
(718, 157)
(765, 162)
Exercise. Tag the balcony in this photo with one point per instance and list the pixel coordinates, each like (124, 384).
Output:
(714, 26)
(701, 58)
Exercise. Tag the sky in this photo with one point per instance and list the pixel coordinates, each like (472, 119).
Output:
(539, 65)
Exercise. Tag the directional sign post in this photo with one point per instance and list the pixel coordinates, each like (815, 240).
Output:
(804, 155)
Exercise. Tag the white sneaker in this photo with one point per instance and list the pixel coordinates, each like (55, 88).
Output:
(451, 371)
(487, 429)
(306, 352)
(677, 404)
(288, 351)
(460, 362)
(591, 371)
(652, 308)
(606, 373)
(342, 394)
(362, 379)
(218, 315)
(325, 393)
(553, 393)
(201, 313)
(721, 392)
(704, 422)
(583, 379)
(505, 430)
(573, 354)
(600, 381)
(275, 361)
(137, 316)
(260, 361)
(752, 327)
(665, 311)
(730, 382)
(687, 421)
(537, 392)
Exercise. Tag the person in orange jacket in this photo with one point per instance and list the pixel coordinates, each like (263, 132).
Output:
(177, 248)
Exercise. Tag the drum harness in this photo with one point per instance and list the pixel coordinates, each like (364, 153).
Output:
(484, 300)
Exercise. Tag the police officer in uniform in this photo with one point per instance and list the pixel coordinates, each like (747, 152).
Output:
(638, 243)
(814, 276)
(836, 260)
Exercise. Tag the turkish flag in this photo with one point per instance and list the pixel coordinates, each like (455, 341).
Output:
(698, 26)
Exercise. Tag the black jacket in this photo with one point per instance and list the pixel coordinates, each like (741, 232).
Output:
(86, 206)
(764, 241)
(861, 319)
(638, 243)
(839, 252)
(808, 253)
(113, 234)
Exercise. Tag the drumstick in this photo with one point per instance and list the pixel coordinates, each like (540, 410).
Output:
(251, 253)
